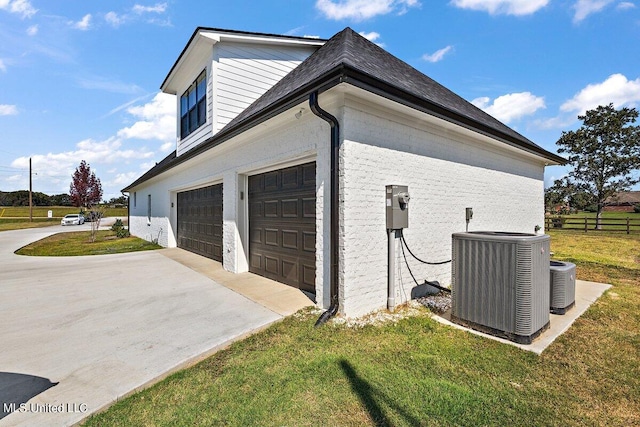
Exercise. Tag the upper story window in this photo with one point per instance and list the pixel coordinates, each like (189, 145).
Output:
(193, 106)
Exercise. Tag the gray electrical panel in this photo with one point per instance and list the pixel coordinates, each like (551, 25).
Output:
(397, 208)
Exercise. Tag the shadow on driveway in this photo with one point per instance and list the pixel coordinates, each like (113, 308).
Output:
(16, 389)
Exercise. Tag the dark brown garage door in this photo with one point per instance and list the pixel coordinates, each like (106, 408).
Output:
(200, 221)
(282, 225)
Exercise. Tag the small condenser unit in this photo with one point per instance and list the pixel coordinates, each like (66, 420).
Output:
(563, 286)
(500, 283)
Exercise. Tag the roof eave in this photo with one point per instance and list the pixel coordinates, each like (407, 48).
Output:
(346, 74)
(231, 34)
(373, 85)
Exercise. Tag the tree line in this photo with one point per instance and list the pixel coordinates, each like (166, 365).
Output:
(21, 198)
(85, 190)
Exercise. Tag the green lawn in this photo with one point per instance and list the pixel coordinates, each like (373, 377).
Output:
(419, 372)
(57, 211)
(20, 223)
(17, 217)
(79, 243)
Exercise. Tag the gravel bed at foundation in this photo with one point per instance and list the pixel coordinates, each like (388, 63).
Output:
(438, 303)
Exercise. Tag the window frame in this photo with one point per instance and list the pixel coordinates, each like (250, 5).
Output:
(193, 106)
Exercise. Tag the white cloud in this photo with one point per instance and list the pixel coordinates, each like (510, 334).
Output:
(114, 19)
(157, 8)
(54, 170)
(510, 107)
(616, 89)
(625, 5)
(8, 110)
(21, 7)
(113, 86)
(585, 8)
(156, 120)
(360, 10)
(437, 55)
(3, 66)
(123, 179)
(502, 7)
(82, 24)
(371, 36)
(115, 160)
(32, 30)
(138, 12)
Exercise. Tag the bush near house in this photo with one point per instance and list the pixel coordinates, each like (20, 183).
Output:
(119, 229)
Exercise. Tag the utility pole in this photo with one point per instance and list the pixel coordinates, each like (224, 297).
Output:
(30, 194)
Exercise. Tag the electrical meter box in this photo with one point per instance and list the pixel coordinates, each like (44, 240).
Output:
(397, 208)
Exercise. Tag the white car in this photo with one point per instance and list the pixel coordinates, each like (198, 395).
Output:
(72, 219)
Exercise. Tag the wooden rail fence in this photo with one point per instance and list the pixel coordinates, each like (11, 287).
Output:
(628, 225)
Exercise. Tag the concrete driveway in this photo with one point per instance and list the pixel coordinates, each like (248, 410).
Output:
(78, 333)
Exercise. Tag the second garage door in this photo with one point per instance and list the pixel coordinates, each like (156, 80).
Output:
(282, 225)
(200, 221)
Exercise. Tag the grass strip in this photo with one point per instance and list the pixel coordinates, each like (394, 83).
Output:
(7, 224)
(79, 243)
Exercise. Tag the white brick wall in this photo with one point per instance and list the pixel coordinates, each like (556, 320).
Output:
(447, 169)
(445, 173)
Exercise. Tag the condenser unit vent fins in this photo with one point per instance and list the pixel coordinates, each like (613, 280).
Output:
(500, 283)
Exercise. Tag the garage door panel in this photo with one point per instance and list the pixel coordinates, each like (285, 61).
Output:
(290, 269)
(290, 178)
(309, 241)
(309, 207)
(282, 212)
(290, 239)
(256, 261)
(271, 265)
(271, 181)
(309, 175)
(289, 208)
(271, 237)
(309, 276)
(271, 208)
(200, 221)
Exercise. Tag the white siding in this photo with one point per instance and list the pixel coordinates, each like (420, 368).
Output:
(245, 72)
(237, 75)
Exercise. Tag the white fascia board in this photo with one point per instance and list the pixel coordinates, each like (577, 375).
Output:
(239, 38)
(203, 42)
(198, 48)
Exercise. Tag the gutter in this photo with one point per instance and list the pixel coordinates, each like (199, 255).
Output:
(335, 200)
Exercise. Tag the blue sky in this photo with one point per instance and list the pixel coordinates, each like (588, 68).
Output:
(80, 80)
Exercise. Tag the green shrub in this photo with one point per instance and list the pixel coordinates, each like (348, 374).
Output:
(636, 208)
(118, 228)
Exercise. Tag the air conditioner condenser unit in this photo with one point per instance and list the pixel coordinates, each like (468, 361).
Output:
(563, 286)
(500, 283)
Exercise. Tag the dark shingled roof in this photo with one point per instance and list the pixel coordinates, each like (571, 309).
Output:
(350, 58)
